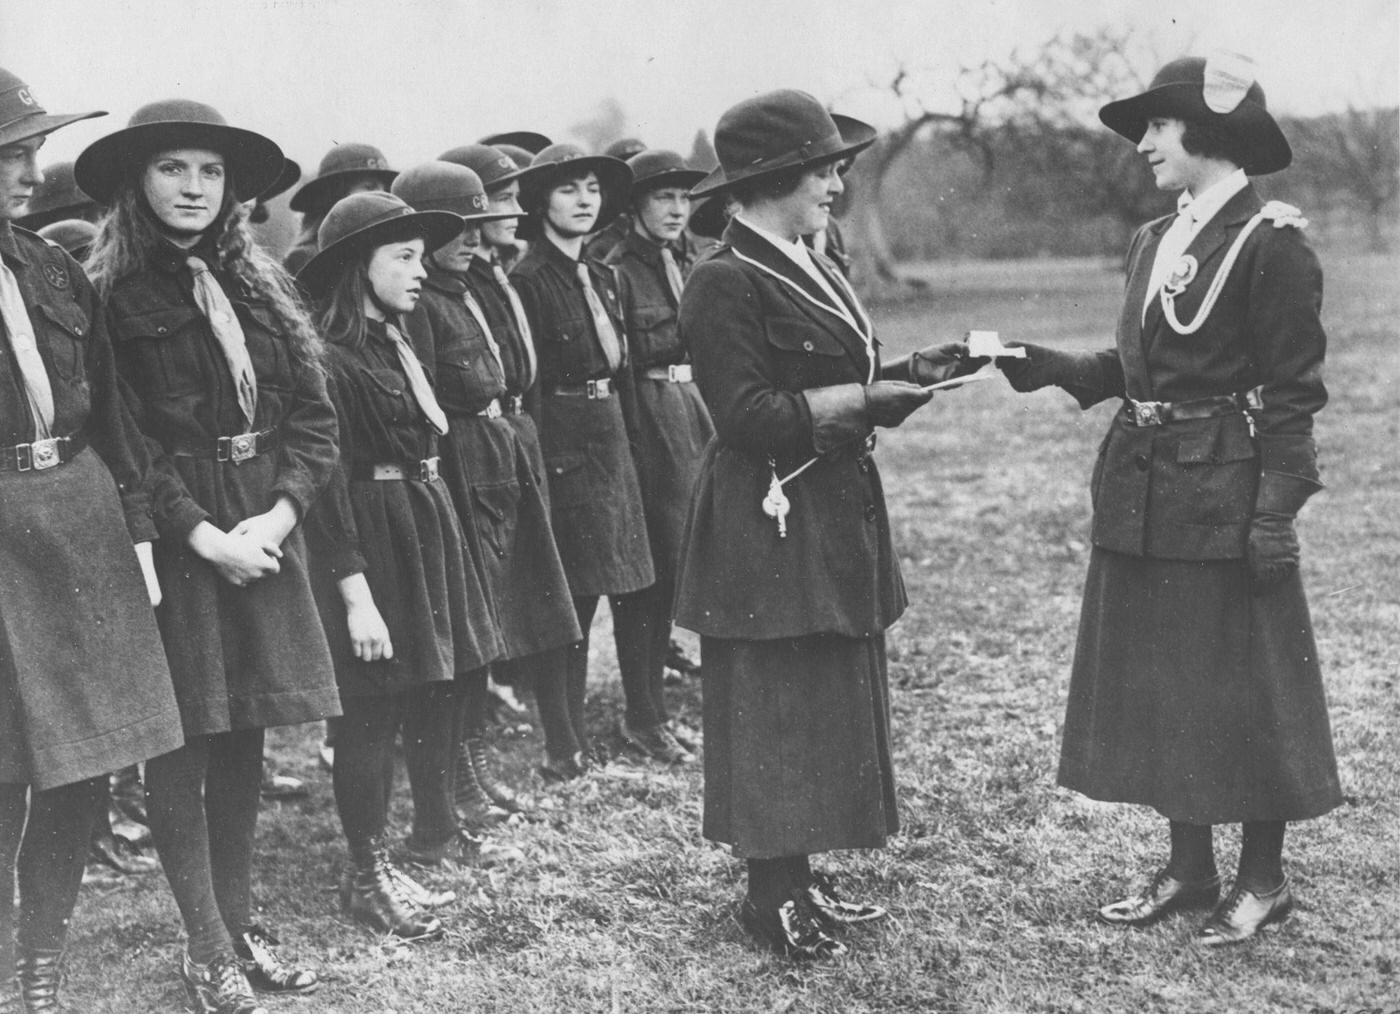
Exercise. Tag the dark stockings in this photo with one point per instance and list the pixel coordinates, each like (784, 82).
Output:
(550, 676)
(430, 724)
(1261, 854)
(48, 852)
(774, 881)
(642, 632)
(364, 769)
(202, 800)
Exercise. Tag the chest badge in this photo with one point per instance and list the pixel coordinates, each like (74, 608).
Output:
(56, 275)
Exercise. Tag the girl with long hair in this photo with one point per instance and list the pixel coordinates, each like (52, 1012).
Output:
(398, 591)
(222, 370)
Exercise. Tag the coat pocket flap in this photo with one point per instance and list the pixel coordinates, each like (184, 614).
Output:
(1228, 440)
(497, 501)
(157, 323)
(797, 335)
(564, 464)
(70, 319)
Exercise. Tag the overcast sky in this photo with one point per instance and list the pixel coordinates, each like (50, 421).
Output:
(418, 76)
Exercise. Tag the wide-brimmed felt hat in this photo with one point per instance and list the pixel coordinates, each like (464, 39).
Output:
(707, 217)
(1219, 90)
(522, 157)
(362, 221)
(57, 198)
(625, 148)
(531, 141)
(286, 179)
(21, 116)
(655, 168)
(73, 234)
(253, 161)
(562, 162)
(495, 167)
(785, 129)
(349, 159)
(446, 186)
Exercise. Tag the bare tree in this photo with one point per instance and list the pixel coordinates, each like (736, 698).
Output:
(1356, 155)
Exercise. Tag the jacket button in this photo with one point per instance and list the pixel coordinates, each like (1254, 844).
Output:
(807, 346)
(1141, 461)
(162, 329)
(871, 513)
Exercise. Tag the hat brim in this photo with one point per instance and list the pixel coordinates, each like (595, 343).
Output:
(318, 275)
(708, 219)
(38, 219)
(531, 141)
(683, 178)
(854, 137)
(1269, 149)
(614, 177)
(313, 192)
(253, 161)
(40, 124)
(286, 179)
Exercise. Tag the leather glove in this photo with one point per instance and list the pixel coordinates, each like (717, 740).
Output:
(938, 363)
(1271, 550)
(1271, 547)
(890, 402)
(1042, 367)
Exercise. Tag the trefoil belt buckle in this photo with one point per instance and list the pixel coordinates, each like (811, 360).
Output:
(493, 410)
(1147, 413)
(679, 373)
(237, 448)
(44, 454)
(428, 470)
(601, 388)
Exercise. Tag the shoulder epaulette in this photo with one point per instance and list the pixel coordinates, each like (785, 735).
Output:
(1282, 215)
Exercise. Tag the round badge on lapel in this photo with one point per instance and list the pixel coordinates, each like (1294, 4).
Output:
(56, 275)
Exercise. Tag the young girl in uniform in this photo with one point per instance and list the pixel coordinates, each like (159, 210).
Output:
(398, 591)
(225, 381)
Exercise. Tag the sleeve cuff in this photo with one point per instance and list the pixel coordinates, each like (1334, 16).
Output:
(838, 415)
(182, 520)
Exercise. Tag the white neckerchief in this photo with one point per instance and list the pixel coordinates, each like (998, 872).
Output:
(1192, 214)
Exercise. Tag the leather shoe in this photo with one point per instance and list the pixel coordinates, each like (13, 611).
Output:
(1243, 914)
(794, 929)
(1163, 896)
(821, 892)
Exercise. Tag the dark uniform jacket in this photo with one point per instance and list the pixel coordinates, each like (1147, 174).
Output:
(653, 337)
(761, 335)
(1186, 490)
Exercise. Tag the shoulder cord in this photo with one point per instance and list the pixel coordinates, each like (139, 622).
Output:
(1169, 292)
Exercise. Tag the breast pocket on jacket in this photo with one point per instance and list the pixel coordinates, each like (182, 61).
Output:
(65, 330)
(388, 395)
(269, 347)
(570, 345)
(806, 355)
(652, 334)
(160, 353)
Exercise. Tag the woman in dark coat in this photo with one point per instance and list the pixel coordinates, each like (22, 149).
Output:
(487, 467)
(1196, 688)
(787, 571)
(223, 371)
(668, 423)
(84, 686)
(404, 607)
(595, 501)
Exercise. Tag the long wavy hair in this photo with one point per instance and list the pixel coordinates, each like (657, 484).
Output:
(341, 313)
(128, 236)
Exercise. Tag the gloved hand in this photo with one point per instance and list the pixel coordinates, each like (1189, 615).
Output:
(1271, 547)
(1271, 550)
(890, 402)
(938, 363)
(1042, 367)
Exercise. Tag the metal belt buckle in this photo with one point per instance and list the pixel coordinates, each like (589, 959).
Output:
(1147, 413)
(42, 454)
(493, 410)
(601, 388)
(679, 373)
(515, 404)
(237, 448)
(428, 470)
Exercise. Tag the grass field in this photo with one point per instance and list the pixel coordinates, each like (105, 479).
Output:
(621, 906)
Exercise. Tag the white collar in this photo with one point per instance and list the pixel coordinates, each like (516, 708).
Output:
(1205, 207)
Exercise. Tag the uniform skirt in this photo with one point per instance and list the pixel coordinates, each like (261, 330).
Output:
(248, 657)
(1193, 696)
(428, 593)
(84, 686)
(797, 745)
(595, 502)
(673, 427)
(497, 494)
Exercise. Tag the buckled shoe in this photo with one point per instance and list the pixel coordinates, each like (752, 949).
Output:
(1164, 895)
(265, 969)
(1243, 914)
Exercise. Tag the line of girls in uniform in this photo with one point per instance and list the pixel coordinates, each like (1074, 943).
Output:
(354, 491)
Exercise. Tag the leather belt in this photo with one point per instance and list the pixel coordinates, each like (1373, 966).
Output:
(492, 410)
(1157, 413)
(41, 454)
(600, 388)
(237, 448)
(423, 471)
(676, 373)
